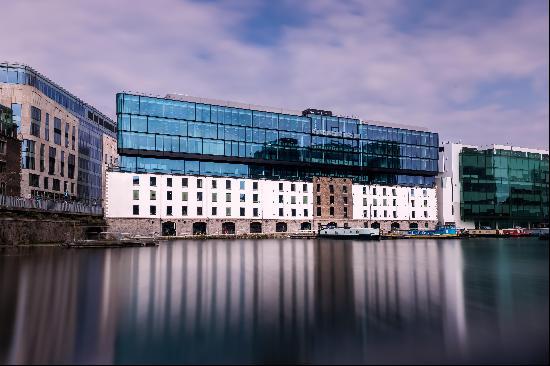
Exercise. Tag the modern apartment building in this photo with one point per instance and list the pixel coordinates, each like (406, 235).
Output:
(62, 136)
(497, 186)
(192, 165)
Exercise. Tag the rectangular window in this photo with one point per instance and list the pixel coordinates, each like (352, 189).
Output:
(242, 211)
(34, 180)
(412, 192)
(71, 166)
(199, 196)
(306, 213)
(375, 213)
(254, 186)
(62, 164)
(135, 180)
(364, 190)
(394, 214)
(364, 202)
(345, 189)
(331, 200)
(364, 213)
(214, 197)
(425, 203)
(153, 181)
(66, 135)
(255, 212)
(169, 195)
(345, 200)
(241, 185)
(304, 200)
(228, 211)
(425, 213)
(304, 188)
(55, 185)
(385, 213)
(242, 197)
(51, 161)
(153, 195)
(199, 183)
(413, 215)
(153, 210)
(292, 200)
(331, 211)
(293, 187)
(384, 202)
(168, 210)
(214, 183)
(135, 209)
(169, 182)
(255, 198)
(374, 190)
(424, 192)
(383, 191)
(46, 183)
(281, 212)
(42, 157)
(318, 200)
(318, 211)
(393, 192)
(184, 196)
(281, 200)
(412, 203)
(331, 188)
(73, 138)
(318, 188)
(28, 155)
(199, 211)
(228, 197)
(47, 128)
(57, 131)
(36, 118)
(136, 194)
(227, 184)
(293, 212)
(280, 187)
(394, 203)
(214, 211)
(184, 182)
(184, 210)
(345, 212)
(375, 202)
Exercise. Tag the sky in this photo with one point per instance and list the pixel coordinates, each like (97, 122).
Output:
(475, 71)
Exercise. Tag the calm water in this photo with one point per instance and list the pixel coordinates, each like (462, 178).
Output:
(306, 301)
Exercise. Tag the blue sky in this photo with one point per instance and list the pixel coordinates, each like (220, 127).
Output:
(474, 71)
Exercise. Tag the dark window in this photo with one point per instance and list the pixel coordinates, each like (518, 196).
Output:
(318, 200)
(331, 200)
(66, 135)
(184, 182)
(281, 200)
(293, 187)
(318, 188)
(227, 184)
(36, 118)
(255, 198)
(169, 195)
(293, 212)
(168, 210)
(318, 211)
(345, 200)
(331, 188)
(306, 213)
(153, 181)
(51, 161)
(135, 209)
(281, 212)
(184, 210)
(56, 186)
(214, 211)
(242, 211)
(346, 212)
(345, 189)
(57, 131)
(255, 212)
(199, 196)
(304, 188)
(331, 211)
(28, 154)
(255, 186)
(47, 128)
(199, 211)
(34, 180)
(153, 210)
(280, 187)
(71, 166)
(214, 183)
(46, 183)
(169, 182)
(199, 183)
(135, 180)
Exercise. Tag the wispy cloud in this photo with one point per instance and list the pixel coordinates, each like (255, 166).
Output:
(449, 67)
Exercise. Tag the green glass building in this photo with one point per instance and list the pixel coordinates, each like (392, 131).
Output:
(503, 188)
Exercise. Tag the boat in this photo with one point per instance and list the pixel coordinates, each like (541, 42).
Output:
(515, 232)
(333, 232)
(108, 239)
(441, 231)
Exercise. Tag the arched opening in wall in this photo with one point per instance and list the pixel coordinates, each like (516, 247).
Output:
(305, 226)
(228, 228)
(375, 225)
(413, 225)
(332, 224)
(280, 227)
(199, 228)
(395, 226)
(426, 225)
(168, 228)
(255, 227)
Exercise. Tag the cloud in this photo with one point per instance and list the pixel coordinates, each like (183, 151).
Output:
(356, 58)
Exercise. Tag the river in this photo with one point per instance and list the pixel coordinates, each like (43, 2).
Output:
(271, 301)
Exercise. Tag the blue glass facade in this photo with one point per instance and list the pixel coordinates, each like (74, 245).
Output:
(92, 126)
(172, 136)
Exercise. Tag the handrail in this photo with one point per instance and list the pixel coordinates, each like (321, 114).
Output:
(44, 204)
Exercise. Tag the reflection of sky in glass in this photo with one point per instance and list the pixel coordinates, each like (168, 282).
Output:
(286, 301)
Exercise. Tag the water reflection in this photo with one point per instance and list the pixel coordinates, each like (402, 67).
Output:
(276, 301)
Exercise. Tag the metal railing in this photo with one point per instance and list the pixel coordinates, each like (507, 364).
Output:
(44, 204)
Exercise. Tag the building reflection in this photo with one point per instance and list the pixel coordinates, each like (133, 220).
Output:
(238, 301)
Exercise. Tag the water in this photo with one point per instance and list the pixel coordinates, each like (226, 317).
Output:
(268, 301)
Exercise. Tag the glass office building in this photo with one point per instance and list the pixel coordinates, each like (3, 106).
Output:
(92, 126)
(503, 188)
(167, 135)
